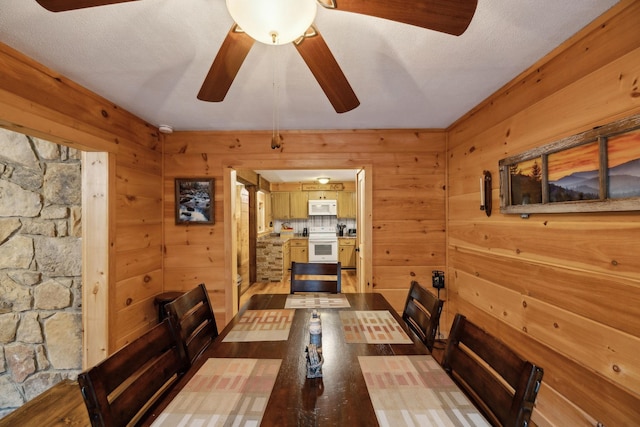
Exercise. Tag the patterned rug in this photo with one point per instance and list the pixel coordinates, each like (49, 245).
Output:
(415, 391)
(262, 325)
(224, 392)
(317, 301)
(372, 327)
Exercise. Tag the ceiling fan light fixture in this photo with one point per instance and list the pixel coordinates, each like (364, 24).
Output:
(275, 21)
(323, 180)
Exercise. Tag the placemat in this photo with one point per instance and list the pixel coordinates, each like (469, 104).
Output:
(372, 327)
(317, 301)
(224, 392)
(415, 390)
(262, 325)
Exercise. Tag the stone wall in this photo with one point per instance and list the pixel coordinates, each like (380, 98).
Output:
(40, 267)
(269, 259)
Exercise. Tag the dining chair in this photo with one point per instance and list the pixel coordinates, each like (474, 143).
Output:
(501, 384)
(331, 282)
(119, 390)
(422, 313)
(193, 316)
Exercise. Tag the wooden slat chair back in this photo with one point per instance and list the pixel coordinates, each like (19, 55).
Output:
(422, 313)
(499, 381)
(331, 282)
(122, 387)
(193, 315)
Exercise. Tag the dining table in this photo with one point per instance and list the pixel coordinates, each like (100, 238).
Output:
(374, 370)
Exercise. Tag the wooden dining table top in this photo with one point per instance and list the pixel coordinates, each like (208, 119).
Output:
(340, 397)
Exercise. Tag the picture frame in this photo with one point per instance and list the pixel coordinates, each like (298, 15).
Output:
(194, 200)
(594, 171)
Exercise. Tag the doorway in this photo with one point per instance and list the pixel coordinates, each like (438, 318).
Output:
(233, 217)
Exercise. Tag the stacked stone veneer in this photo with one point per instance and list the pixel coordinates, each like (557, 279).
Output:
(269, 259)
(40, 267)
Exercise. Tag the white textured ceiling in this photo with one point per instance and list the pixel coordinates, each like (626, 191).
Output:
(151, 56)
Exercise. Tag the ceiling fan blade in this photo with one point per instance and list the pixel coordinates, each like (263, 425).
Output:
(230, 57)
(64, 5)
(446, 16)
(325, 68)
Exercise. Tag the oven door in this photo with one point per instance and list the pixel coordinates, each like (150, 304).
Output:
(323, 250)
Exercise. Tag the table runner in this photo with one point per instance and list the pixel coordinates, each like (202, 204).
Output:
(262, 325)
(224, 392)
(415, 390)
(372, 327)
(317, 301)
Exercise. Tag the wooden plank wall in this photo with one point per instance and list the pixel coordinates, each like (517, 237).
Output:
(408, 173)
(40, 102)
(564, 289)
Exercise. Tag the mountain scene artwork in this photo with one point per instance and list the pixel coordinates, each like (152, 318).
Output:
(624, 181)
(573, 174)
(576, 175)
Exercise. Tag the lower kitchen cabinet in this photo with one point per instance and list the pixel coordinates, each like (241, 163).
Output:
(299, 250)
(347, 252)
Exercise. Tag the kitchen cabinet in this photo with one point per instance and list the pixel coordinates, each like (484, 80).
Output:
(290, 205)
(298, 205)
(347, 204)
(280, 205)
(299, 250)
(347, 252)
(323, 195)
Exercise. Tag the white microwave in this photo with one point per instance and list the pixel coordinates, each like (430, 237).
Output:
(323, 207)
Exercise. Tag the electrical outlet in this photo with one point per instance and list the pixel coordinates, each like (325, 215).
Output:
(437, 279)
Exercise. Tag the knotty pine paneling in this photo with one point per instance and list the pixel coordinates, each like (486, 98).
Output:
(138, 210)
(553, 409)
(552, 242)
(563, 289)
(397, 277)
(138, 236)
(390, 230)
(138, 288)
(407, 176)
(555, 284)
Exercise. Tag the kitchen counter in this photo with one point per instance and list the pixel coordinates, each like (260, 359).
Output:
(276, 239)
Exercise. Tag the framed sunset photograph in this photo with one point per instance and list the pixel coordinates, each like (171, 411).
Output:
(595, 171)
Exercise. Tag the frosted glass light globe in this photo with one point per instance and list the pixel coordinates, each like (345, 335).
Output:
(273, 21)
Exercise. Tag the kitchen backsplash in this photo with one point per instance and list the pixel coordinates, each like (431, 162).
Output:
(299, 225)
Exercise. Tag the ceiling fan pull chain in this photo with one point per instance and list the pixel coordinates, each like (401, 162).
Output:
(275, 135)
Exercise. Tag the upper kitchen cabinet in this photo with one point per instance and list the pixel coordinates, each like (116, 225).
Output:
(290, 205)
(280, 205)
(323, 195)
(298, 204)
(347, 204)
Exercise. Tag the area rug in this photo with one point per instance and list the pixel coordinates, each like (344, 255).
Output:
(416, 391)
(262, 325)
(372, 327)
(224, 392)
(317, 301)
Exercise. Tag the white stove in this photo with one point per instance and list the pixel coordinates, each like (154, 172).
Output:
(323, 244)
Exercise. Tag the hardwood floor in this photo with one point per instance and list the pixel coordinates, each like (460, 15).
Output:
(349, 282)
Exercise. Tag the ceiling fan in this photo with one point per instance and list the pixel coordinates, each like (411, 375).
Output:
(447, 16)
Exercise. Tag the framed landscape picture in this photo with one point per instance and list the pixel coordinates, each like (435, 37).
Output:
(194, 200)
(595, 171)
